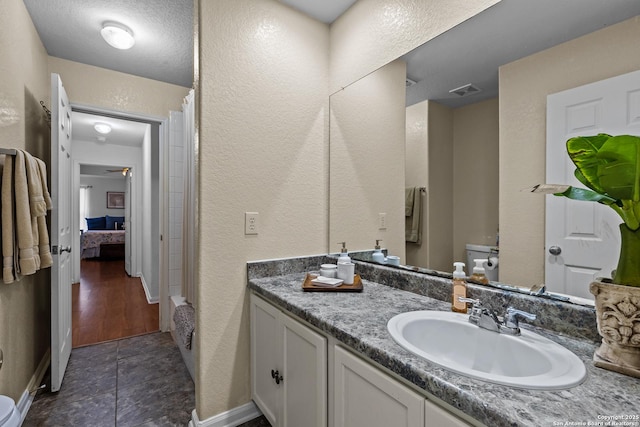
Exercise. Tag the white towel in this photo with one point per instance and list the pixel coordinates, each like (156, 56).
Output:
(25, 200)
(9, 260)
(28, 260)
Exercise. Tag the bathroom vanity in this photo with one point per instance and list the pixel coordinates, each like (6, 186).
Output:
(335, 364)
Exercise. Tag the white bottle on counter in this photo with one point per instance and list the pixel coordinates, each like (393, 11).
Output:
(377, 255)
(344, 255)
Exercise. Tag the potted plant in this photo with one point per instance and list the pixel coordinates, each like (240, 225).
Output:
(610, 167)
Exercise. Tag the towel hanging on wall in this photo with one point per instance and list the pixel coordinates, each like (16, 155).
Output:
(413, 214)
(25, 200)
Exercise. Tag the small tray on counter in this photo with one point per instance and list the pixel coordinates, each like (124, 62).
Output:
(307, 286)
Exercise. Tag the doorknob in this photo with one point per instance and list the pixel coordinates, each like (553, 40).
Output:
(59, 250)
(555, 250)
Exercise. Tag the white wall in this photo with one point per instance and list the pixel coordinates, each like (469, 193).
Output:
(367, 119)
(97, 203)
(417, 173)
(475, 185)
(150, 209)
(176, 190)
(263, 144)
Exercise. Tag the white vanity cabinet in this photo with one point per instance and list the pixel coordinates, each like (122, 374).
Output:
(288, 368)
(365, 397)
(289, 381)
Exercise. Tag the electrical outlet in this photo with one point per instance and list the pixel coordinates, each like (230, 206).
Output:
(250, 223)
(382, 221)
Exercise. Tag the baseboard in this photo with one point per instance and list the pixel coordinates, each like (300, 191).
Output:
(26, 399)
(150, 300)
(232, 418)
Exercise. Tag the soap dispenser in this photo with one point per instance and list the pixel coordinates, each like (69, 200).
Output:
(377, 255)
(479, 275)
(459, 289)
(344, 255)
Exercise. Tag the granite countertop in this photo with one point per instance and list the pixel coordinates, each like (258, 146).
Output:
(359, 321)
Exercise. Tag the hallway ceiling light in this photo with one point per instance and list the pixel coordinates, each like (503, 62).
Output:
(117, 35)
(102, 128)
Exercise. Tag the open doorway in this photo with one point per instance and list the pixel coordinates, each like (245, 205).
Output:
(116, 191)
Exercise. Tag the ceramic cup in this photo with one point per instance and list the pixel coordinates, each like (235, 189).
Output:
(346, 272)
(393, 260)
(329, 270)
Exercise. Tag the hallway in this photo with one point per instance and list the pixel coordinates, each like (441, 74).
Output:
(108, 304)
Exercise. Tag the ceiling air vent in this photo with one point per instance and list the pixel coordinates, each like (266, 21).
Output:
(466, 90)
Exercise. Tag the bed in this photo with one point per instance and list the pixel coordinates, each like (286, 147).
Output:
(92, 240)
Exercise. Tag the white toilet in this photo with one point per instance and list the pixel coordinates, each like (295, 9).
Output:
(489, 253)
(9, 414)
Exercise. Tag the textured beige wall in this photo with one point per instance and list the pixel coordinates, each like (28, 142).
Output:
(95, 86)
(417, 171)
(464, 151)
(475, 185)
(440, 192)
(524, 86)
(263, 148)
(364, 183)
(24, 305)
(373, 33)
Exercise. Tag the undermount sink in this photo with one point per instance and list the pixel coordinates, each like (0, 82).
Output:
(527, 361)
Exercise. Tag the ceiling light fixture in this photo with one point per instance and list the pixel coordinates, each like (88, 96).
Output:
(117, 35)
(102, 128)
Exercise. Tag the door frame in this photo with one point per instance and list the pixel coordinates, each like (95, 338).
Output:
(163, 187)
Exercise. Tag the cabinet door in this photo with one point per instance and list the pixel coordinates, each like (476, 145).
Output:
(305, 376)
(366, 397)
(435, 416)
(266, 347)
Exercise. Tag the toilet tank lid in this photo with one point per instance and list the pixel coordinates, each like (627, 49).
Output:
(483, 248)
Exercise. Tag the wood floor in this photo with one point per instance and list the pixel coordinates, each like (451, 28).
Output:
(108, 304)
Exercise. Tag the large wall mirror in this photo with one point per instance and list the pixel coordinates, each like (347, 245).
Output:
(430, 122)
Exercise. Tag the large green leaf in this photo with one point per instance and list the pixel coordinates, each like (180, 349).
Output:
(583, 151)
(583, 194)
(619, 167)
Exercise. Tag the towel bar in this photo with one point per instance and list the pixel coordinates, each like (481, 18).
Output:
(8, 151)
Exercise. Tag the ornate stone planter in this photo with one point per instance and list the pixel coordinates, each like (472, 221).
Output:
(618, 317)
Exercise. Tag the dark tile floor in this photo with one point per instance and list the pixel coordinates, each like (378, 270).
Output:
(139, 381)
(258, 422)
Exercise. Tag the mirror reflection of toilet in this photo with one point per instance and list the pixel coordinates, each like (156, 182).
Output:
(9, 414)
(490, 253)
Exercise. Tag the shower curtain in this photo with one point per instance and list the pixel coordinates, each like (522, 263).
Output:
(190, 201)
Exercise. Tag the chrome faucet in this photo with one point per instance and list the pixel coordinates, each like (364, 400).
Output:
(488, 319)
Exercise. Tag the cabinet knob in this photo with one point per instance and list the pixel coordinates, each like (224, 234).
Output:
(276, 376)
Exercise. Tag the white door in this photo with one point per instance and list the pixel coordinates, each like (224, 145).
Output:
(60, 231)
(127, 223)
(584, 235)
